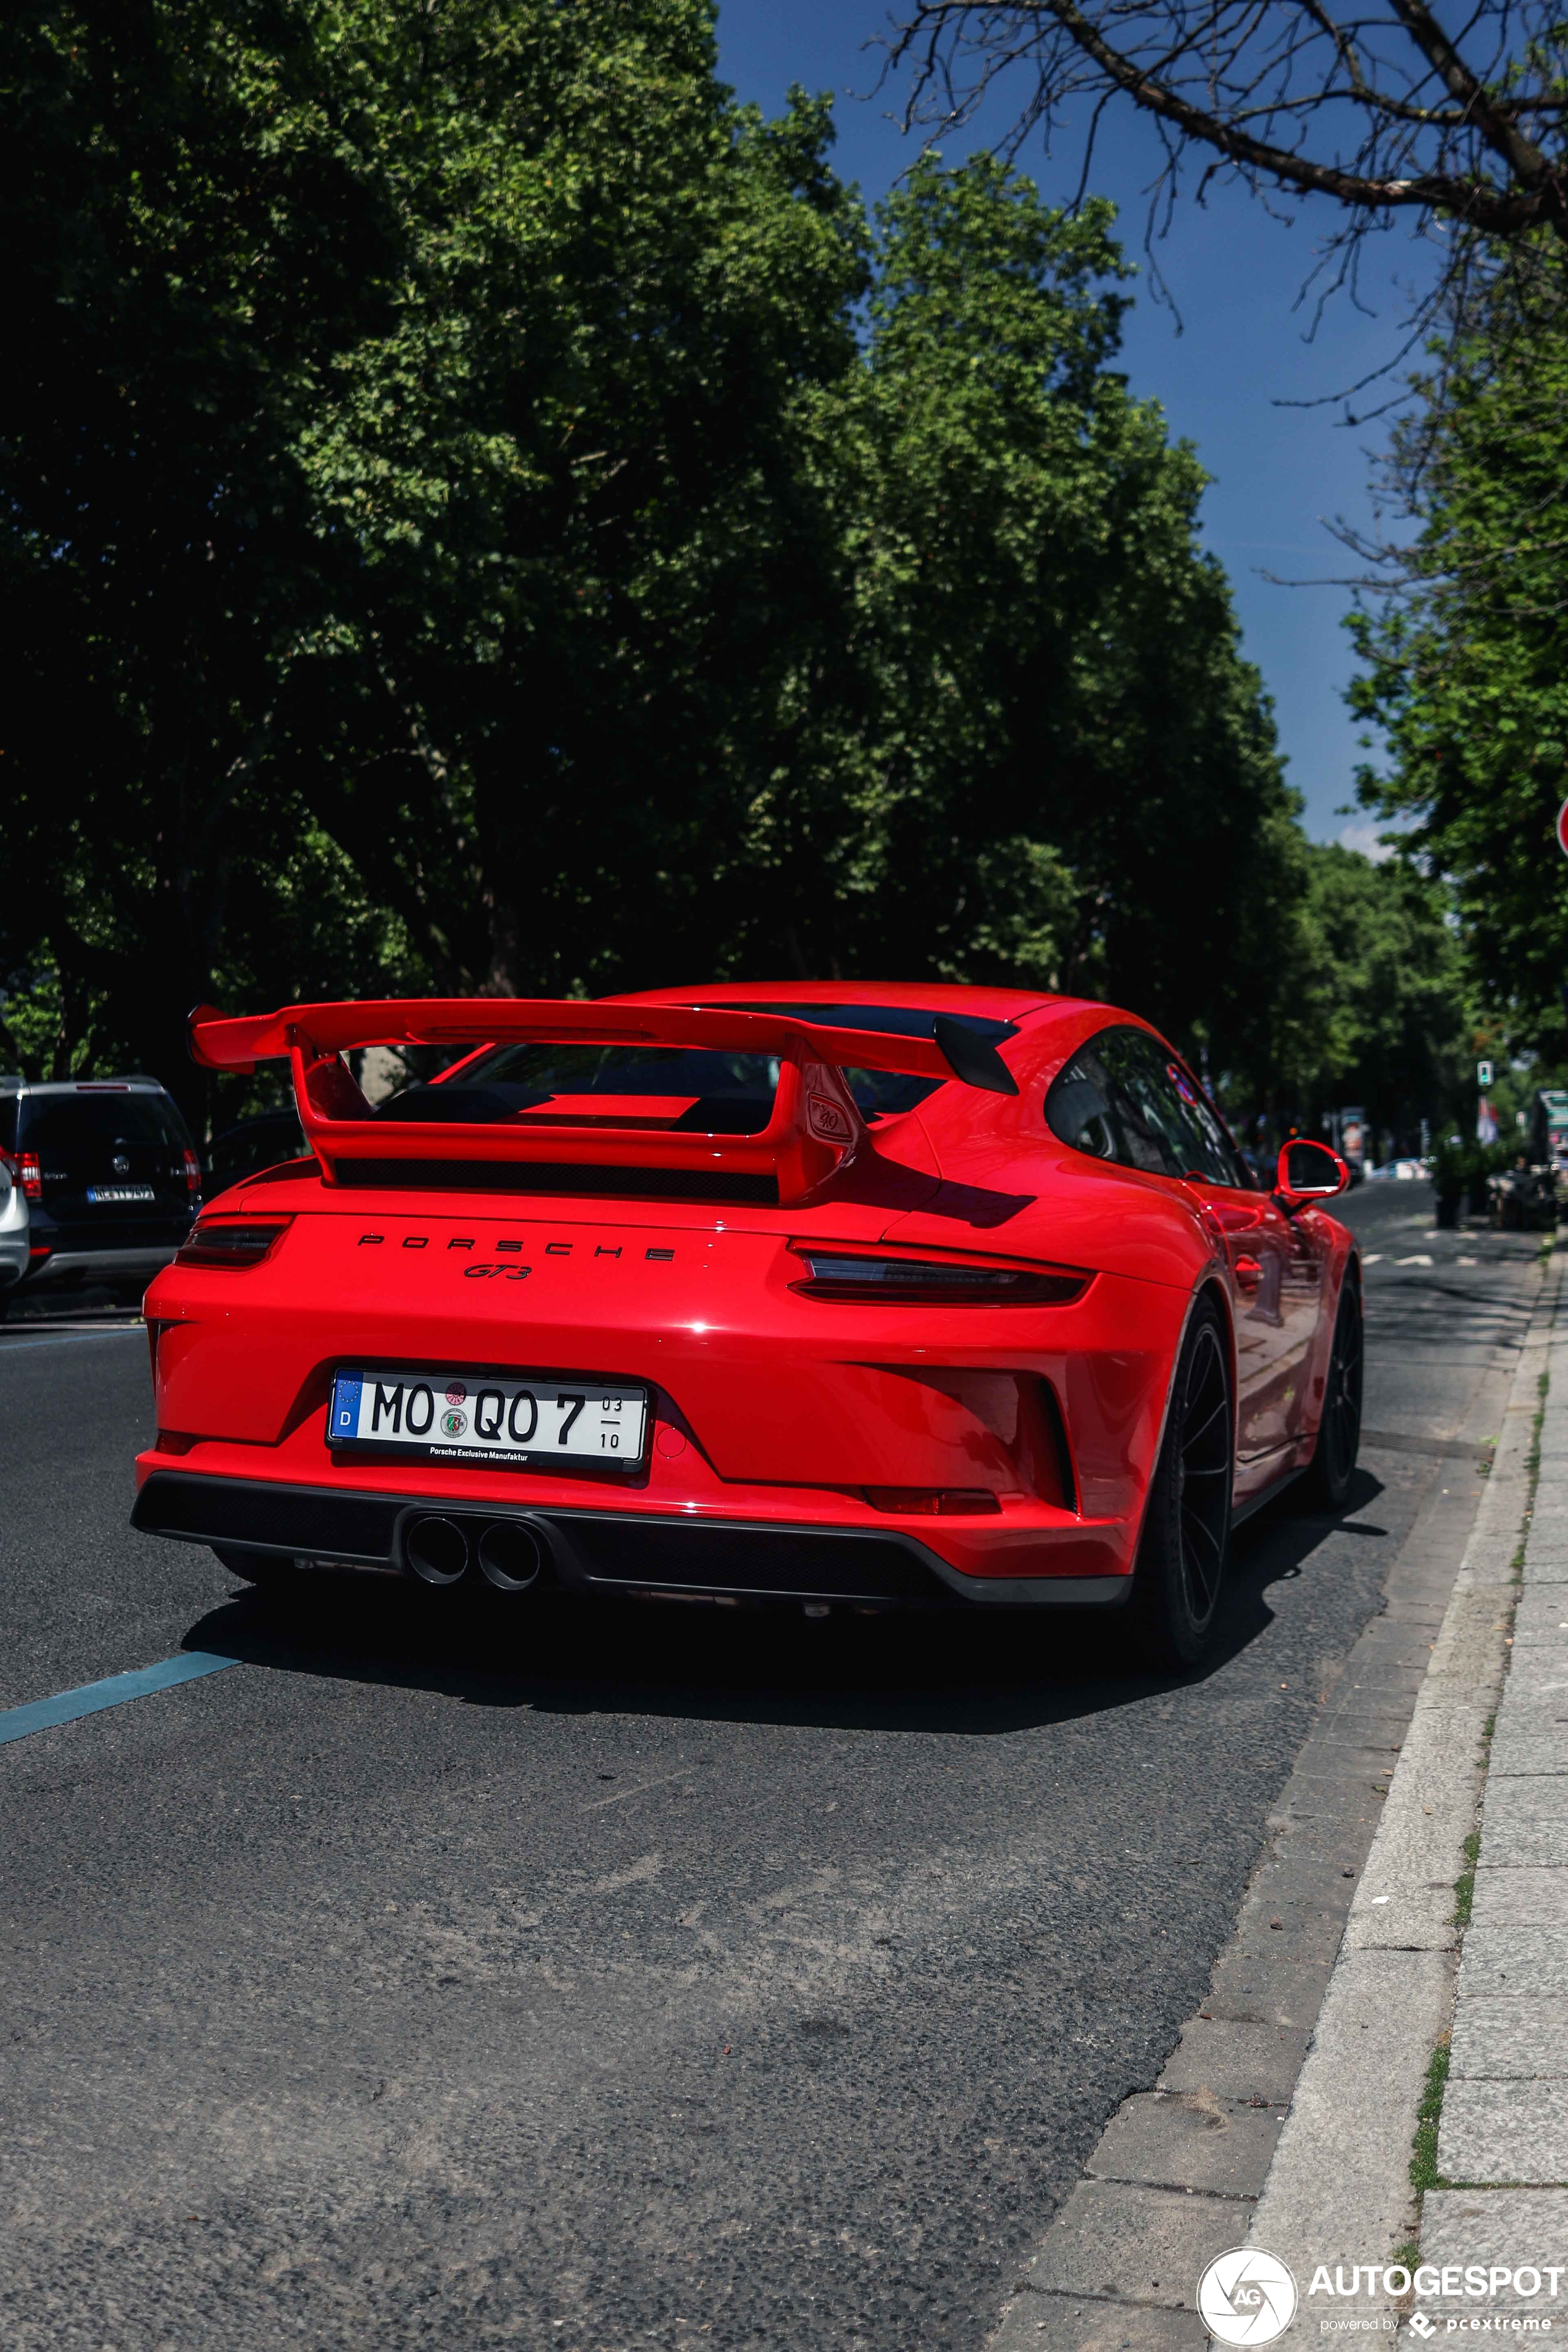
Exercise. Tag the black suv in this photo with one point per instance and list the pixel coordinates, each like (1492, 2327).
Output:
(111, 1178)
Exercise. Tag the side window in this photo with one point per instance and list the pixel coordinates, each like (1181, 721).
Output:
(1109, 1101)
(1078, 1107)
(1210, 1153)
(1123, 1097)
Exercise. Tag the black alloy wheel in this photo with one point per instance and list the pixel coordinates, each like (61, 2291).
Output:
(1338, 1433)
(1186, 1535)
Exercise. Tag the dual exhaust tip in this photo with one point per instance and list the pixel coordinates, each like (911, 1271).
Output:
(508, 1554)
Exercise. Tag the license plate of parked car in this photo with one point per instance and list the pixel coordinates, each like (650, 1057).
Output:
(475, 1417)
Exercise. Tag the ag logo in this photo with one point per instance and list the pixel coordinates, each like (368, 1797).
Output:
(1246, 2296)
(826, 1119)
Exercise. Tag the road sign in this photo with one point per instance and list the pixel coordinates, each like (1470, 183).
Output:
(1563, 828)
(1483, 1074)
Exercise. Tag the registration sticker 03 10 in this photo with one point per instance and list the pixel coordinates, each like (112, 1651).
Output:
(517, 1418)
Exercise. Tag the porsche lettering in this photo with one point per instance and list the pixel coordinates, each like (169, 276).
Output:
(508, 1246)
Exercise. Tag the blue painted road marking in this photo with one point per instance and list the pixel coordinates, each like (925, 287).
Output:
(16, 1722)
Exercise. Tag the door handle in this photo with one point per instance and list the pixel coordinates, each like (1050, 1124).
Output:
(1248, 1272)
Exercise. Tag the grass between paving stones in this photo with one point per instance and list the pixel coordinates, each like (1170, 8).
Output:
(1424, 2172)
(1464, 1884)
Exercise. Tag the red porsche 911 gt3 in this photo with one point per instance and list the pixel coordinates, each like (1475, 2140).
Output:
(836, 1294)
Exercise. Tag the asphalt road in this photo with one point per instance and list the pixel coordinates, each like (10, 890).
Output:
(438, 1976)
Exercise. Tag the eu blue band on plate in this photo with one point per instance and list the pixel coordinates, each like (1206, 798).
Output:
(345, 1404)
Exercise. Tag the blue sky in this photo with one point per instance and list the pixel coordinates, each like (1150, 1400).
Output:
(1236, 275)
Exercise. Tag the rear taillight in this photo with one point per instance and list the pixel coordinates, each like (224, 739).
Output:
(22, 1168)
(192, 1172)
(235, 1241)
(932, 1282)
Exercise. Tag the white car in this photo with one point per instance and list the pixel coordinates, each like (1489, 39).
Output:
(14, 1228)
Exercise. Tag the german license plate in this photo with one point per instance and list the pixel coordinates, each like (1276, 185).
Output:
(119, 1193)
(477, 1417)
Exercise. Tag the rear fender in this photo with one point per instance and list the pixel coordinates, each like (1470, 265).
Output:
(1213, 1290)
(1345, 1266)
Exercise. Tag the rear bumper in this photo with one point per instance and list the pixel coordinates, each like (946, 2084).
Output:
(603, 1552)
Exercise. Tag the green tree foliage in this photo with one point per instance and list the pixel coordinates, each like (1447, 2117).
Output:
(484, 510)
(1374, 1011)
(190, 240)
(580, 554)
(194, 236)
(1465, 666)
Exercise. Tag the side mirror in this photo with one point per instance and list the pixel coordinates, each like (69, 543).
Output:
(1309, 1172)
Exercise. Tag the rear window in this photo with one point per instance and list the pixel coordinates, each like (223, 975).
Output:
(682, 1089)
(7, 1122)
(65, 1123)
(676, 1089)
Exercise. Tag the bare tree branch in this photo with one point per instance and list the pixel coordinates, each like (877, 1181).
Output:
(1382, 112)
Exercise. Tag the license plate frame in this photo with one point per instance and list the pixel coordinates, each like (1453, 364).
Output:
(577, 1420)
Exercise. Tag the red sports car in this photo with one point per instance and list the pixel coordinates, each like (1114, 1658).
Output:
(838, 1294)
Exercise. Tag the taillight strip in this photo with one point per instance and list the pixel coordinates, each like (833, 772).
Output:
(236, 1242)
(880, 1276)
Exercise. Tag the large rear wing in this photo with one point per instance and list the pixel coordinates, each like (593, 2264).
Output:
(814, 1130)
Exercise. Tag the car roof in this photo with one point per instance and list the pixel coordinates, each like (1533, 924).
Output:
(917, 995)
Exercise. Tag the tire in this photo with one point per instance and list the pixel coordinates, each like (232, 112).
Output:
(259, 1567)
(1327, 1482)
(1185, 1547)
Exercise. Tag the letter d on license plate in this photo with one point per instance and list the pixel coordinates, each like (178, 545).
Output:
(533, 1417)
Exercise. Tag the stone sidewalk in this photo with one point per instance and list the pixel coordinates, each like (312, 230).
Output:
(1504, 2140)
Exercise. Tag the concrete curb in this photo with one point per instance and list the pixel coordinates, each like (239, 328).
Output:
(1338, 2189)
